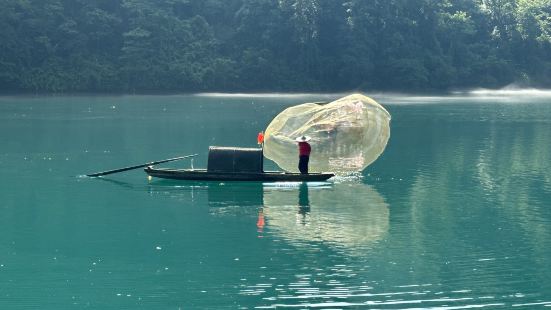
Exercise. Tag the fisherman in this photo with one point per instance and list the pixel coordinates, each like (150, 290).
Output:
(304, 153)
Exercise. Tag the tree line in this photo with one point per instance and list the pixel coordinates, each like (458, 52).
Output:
(272, 45)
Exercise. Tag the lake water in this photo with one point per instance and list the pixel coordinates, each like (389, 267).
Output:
(455, 214)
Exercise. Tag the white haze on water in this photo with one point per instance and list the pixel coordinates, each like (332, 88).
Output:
(511, 93)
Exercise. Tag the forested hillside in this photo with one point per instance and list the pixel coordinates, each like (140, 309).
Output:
(272, 45)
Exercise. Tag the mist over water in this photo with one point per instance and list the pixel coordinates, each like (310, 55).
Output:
(512, 94)
(455, 213)
(511, 91)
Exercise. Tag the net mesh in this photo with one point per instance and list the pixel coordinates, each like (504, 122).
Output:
(347, 134)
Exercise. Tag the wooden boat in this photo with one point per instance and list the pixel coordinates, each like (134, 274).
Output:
(205, 175)
(224, 164)
(235, 164)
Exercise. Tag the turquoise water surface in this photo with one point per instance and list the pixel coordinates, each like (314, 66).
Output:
(455, 214)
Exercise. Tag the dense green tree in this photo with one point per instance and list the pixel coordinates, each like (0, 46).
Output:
(272, 45)
(9, 46)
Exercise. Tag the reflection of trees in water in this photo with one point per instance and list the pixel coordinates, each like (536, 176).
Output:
(477, 177)
(515, 169)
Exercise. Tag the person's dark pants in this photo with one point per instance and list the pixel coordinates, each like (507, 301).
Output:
(303, 163)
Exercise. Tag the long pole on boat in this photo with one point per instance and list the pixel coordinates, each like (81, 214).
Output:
(99, 174)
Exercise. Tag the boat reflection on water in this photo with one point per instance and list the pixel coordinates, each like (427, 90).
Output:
(234, 194)
(349, 216)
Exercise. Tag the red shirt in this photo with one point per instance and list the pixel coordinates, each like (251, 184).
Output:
(304, 149)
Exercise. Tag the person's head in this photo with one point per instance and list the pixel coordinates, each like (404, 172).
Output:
(303, 138)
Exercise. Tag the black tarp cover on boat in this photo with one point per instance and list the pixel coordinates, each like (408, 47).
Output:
(235, 159)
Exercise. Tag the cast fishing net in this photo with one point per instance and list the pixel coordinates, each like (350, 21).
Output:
(347, 134)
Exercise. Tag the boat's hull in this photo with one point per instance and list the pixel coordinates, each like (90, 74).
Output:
(204, 175)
